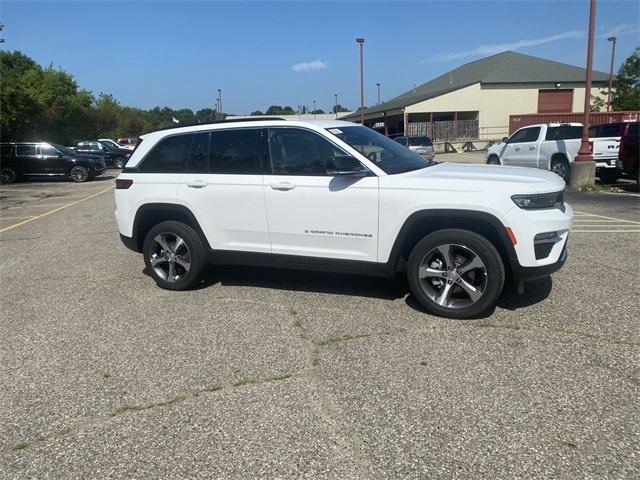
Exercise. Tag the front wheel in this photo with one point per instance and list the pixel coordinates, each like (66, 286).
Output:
(455, 273)
(493, 160)
(79, 174)
(174, 255)
(119, 163)
(608, 175)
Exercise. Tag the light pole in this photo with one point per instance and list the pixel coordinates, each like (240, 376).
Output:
(361, 42)
(314, 109)
(336, 102)
(613, 54)
(220, 101)
(378, 85)
(583, 169)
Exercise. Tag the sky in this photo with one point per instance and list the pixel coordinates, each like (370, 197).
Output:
(261, 53)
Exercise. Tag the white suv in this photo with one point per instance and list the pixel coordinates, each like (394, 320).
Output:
(333, 195)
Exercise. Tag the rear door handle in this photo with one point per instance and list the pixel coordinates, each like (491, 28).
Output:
(196, 183)
(517, 148)
(284, 186)
(532, 147)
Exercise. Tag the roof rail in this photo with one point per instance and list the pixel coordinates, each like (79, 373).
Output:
(215, 122)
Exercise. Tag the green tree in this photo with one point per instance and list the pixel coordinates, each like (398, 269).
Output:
(257, 112)
(339, 108)
(627, 84)
(318, 111)
(597, 103)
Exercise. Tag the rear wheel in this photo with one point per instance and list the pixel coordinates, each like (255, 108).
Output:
(79, 174)
(560, 166)
(455, 273)
(493, 160)
(8, 175)
(174, 255)
(608, 175)
(119, 163)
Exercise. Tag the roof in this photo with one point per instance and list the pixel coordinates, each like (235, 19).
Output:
(506, 67)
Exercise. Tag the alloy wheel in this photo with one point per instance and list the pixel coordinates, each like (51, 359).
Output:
(559, 168)
(79, 174)
(453, 276)
(170, 257)
(7, 175)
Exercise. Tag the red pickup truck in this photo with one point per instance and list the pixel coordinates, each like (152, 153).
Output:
(629, 151)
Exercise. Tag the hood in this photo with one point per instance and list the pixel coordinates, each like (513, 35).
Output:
(475, 177)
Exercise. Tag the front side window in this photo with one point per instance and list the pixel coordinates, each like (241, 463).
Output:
(401, 140)
(296, 151)
(26, 150)
(388, 155)
(235, 152)
(525, 135)
(168, 156)
(48, 151)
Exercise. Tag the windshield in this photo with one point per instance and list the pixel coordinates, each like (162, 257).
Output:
(63, 149)
(110, 143)
(385, 153)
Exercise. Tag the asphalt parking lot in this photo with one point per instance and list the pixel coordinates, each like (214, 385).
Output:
(278, 374)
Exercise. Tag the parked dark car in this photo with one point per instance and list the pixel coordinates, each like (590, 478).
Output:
(630, 151)
(420, 144)
(609, 130)
(113, 156)
(34, 159)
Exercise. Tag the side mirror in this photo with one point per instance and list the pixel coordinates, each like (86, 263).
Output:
(346, 165)
(60, 154)
(505, 139)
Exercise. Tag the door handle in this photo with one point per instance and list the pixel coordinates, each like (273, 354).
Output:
(532, 147)
(196, 183)
(283, 186)
(517, 148)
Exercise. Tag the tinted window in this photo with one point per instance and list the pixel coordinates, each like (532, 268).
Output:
(199, 155)
(168, 156)
(525, 135)
(26, 150)
(48, 151)
(420, 142)
(6, 150)
(633, 129)
(606, 130)
(401, 140)
(235, 152)
(300, 152)
(564, 132)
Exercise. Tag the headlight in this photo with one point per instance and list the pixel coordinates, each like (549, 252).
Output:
(539, 201)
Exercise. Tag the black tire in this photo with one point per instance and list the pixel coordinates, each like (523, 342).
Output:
(493, 160)
(489, 280)
(79, 174)
(195, 248)
(8, 175)
(560, 166)
(608, 175)
(119, 163)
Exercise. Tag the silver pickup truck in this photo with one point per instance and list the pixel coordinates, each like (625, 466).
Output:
(554, 147)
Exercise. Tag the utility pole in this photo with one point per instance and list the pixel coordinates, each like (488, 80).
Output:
(220, 101)
(613, 54)
(336, 102)
(584, 168)
(314, 109)
(378, 85)
(361, 42)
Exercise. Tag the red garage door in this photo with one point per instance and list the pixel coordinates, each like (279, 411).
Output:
(552, 101)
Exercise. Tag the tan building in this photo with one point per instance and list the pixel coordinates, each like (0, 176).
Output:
(474, 101)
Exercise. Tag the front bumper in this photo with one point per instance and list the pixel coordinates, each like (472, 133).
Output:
(130, 243)
(526, 274)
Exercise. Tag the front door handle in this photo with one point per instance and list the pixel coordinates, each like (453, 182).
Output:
(283, 186)
(533, 147)
(517, 148)
(196, 183)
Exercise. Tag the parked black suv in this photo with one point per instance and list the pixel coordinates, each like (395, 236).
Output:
(31, 159)
(113, 156)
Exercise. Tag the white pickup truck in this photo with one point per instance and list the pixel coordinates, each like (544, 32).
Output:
(554, 147)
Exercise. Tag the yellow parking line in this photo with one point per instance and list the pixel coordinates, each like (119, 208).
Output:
(56, 209)
(13, 218)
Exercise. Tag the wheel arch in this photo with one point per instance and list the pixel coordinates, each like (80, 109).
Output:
(151, 214)
(424, 222)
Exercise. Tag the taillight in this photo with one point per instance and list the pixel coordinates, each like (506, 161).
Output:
(123, 183)
(591, 147)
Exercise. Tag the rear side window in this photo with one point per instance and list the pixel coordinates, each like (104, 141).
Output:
(606, 130)
(525, 135)
(420, 142)
(300, 152)
(564, 132)
(168, 156)
(27, 150)
(235, 152)
(198, 161)
(401, 140)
